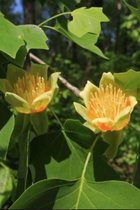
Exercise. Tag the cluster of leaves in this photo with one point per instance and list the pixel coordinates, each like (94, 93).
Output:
(66, 168)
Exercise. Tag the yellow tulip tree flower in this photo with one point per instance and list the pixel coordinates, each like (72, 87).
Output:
(29, 91)
(107, 107)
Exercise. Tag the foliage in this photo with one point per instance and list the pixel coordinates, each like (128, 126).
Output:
(48, 158)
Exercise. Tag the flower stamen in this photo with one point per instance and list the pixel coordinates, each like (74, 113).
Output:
(107, 102)
(30, 87)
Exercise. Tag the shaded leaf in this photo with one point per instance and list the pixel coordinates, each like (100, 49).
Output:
(76, 136)
(79, 140)
(55, 152)
(134, 10)
(6, 184)
(86, 20)
(102, 170)
(39, 122)
(20, 56)
(61, 194)
(5, 135)
(70, 5)
(45, 147)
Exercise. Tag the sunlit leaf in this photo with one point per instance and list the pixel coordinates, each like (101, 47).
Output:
(86, 20)
(87, 41)
(129, 80)
(16, 41)
(10, 37)
(33, 36)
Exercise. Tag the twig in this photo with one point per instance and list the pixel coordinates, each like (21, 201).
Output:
(71, 87)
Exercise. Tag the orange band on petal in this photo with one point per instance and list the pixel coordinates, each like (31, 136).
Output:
(40, 109)
(104, 127)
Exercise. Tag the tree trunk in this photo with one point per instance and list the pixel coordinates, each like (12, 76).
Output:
(29, 11)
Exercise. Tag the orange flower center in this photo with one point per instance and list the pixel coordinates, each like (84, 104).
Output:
(30, 87)
(107, 102)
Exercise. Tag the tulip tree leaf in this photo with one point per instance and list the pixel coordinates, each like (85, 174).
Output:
(74, 143)
(20, 56)
(5, 134)
(128, 80)
(34, 37)
(6, 184)
(10, 37)
(77, 155)
(77, 194)
(86, 20)
(87, 41)
(79, 140)
(16, 41)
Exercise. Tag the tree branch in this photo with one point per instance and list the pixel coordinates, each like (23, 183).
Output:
(71, 87)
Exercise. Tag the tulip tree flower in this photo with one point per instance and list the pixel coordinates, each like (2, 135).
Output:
(107, 107)
(29, 91)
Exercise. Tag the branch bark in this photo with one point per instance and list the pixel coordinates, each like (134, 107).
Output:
(71, 87)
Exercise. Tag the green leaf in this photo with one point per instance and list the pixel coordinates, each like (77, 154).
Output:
(86, 20)
(79, 144)
(55, 152)
(45, 147)
(114, 139)
(33, 36)
(20, 56)
(18, 40)
(129, 80)
(79, 194)
(10, 37)
(5, 134)
(5, 114)
(87, 41)
(79, 140)
(6, 184)
(102, 170)
(39, 122)
(79, 133)
(134, 10)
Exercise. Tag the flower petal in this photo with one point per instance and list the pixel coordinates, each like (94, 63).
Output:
(3, 85)
(91, 127)
(107, 78)
(13, 73)
(42, 101)
(40, 70)
(100, 124)
(103, 124)
(81, 110)
(86, 93)
(52, 82)
(18, 103)
(123, 118)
